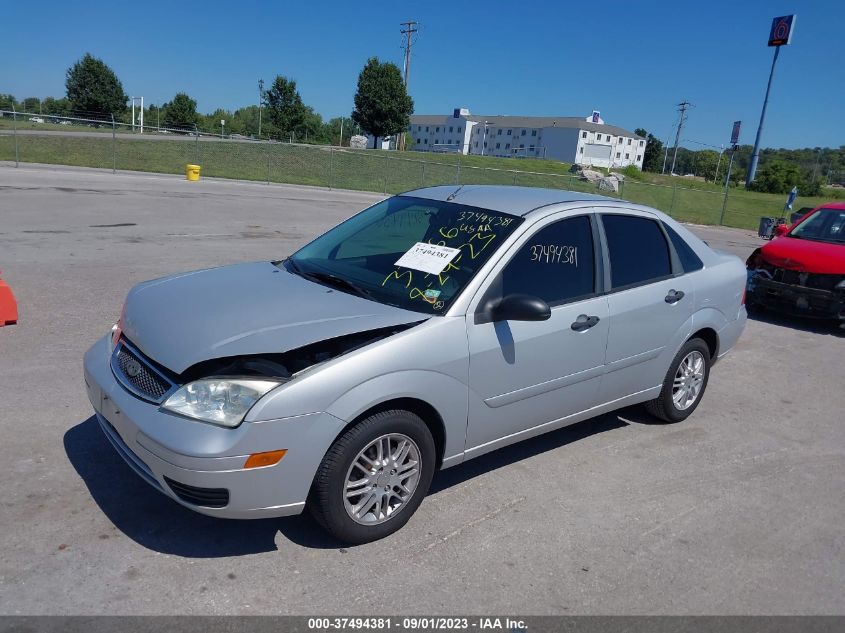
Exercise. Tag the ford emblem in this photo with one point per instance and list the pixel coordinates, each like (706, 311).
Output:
(133, 368)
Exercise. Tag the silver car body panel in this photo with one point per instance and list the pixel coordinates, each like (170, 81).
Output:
(490, 384)
(253, 308)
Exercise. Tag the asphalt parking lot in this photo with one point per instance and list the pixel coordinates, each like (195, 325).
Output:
(738, 510)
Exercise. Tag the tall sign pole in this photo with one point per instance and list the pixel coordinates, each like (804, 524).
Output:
(780, 35)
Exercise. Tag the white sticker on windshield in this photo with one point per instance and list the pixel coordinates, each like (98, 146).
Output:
(429, 258)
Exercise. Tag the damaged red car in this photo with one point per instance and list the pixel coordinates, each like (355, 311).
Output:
(802, 273)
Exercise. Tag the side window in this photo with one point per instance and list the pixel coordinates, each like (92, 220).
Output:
(555, 264)
(638, 251)
(689, 260)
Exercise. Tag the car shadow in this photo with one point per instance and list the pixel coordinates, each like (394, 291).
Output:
(814, 326)
(158, 523)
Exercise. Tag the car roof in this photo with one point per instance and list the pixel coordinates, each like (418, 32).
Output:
(504, 198)
(839, 206)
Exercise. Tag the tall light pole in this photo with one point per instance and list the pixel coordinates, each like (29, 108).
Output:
(260, 101)
(780, 35)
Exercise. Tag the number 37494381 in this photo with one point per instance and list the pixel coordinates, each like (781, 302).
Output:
(554, 254)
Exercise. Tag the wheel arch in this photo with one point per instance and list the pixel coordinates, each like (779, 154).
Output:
(711, 338)
(426, 412)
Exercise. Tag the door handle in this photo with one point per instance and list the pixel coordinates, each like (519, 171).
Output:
(674, 296)
(584, 322)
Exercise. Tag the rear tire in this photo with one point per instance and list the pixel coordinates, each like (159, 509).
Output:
(374, 477)
(684, 384)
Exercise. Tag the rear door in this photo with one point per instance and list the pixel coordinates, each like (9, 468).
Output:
(650, 303)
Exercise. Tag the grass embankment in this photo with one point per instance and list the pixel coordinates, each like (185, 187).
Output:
(390, 172)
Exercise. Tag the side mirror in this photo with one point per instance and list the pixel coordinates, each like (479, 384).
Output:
(517, 307)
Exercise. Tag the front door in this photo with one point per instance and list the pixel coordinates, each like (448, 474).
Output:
(526, 373)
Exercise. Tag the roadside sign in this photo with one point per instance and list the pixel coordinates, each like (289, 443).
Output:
(735, 132)
(782, 29)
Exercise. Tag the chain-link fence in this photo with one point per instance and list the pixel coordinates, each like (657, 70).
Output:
(95, 142)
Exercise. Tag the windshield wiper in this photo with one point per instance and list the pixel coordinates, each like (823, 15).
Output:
(337, 282)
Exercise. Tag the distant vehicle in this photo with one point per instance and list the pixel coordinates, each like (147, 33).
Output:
(803, 271)
(236, 136)
(36, 119)
(64, 122)
(427, 330)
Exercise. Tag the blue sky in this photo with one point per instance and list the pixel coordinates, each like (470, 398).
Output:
(633, 61)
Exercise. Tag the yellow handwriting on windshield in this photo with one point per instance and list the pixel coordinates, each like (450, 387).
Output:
(397, 275)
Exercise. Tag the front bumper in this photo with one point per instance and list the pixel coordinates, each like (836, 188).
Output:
(794, 299)
(200, 465)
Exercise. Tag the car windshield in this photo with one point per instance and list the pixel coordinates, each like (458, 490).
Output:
(825, 225)
(413, 253)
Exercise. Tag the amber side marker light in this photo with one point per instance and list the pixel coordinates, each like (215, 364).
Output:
(257, 460)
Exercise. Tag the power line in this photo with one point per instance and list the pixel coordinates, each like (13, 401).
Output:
(682, 108)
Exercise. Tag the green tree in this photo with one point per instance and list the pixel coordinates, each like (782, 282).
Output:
(333, 129)
(653, 155)
(93, 87)
(7, 102)
(246, 119)
(777, 177)
(181, 112)
(32, 104)
(211, 122)
(382, 105)
(705, 164)
(285, 108)
(51, 105)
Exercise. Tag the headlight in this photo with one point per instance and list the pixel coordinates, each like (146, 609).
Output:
(221, 401)
(841, 285)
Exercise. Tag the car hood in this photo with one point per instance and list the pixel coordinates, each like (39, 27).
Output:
(805, 255)
(255, 308)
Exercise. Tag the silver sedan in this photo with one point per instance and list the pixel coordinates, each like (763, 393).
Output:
(429, 329)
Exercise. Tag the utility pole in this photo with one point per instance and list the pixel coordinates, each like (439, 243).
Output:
(409, 28)
(260, 101)
(682, 108)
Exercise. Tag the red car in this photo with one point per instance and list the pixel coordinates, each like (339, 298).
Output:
(803, 271)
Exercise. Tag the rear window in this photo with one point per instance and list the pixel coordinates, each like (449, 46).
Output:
(638, 250)
(689, 260)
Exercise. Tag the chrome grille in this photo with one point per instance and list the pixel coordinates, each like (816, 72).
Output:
(138, 376)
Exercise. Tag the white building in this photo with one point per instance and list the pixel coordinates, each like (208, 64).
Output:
(586, 141)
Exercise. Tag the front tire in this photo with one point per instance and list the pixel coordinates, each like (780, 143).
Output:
(374, 477)
(684, 384)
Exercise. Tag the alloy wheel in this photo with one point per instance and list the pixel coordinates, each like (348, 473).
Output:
(381, 479)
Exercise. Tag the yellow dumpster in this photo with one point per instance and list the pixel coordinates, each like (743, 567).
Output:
(192, 172)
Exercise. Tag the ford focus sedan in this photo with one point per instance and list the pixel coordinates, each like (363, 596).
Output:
(431, 328)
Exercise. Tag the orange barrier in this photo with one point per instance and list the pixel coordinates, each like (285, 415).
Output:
(8, 305)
